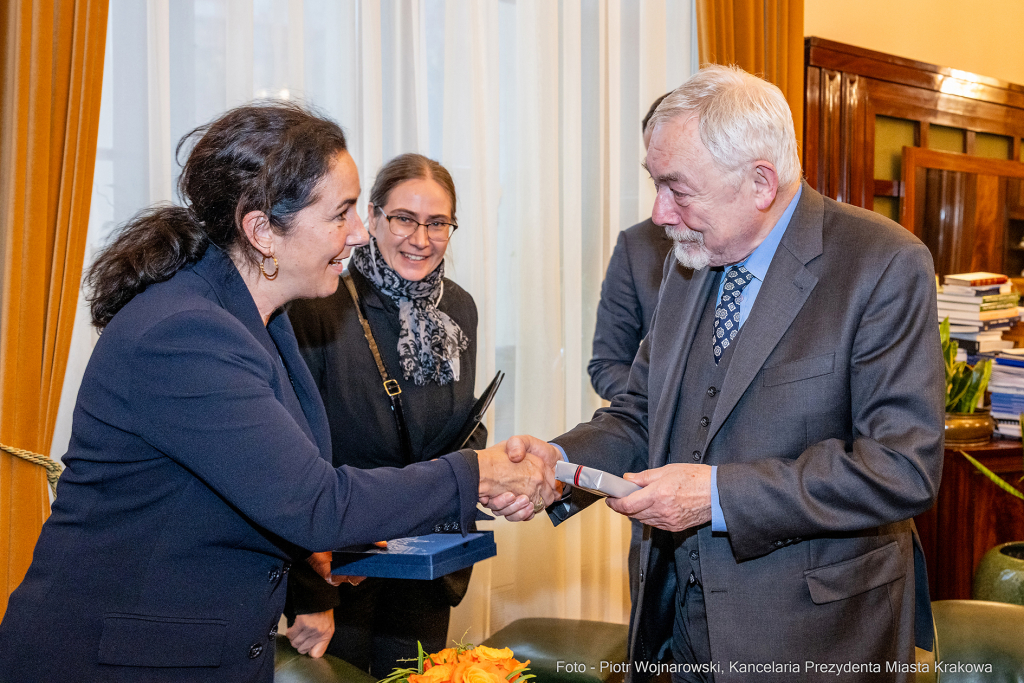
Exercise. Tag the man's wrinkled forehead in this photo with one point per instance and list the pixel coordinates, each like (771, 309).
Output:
(671, 145)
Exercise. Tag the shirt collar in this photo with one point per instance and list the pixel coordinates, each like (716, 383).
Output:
(759, 260)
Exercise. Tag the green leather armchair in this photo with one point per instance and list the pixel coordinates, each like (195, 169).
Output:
(291, 667)
(566, 650)
(978, 632)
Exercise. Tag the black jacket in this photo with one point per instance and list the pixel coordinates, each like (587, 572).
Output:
(362, 424)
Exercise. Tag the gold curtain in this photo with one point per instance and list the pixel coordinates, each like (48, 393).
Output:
(51, 71)
(764, 37)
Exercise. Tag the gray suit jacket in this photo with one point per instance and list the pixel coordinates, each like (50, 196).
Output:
(828, 436)
(629, 296)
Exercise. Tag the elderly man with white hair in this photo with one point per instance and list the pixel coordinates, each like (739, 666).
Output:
(784, 415)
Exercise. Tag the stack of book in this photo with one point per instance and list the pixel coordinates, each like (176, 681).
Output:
(979, 307)
(1007, 387)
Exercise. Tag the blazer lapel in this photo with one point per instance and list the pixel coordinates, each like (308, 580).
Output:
(679, 309)
(786, 287)
(218, 270)
(280, 328)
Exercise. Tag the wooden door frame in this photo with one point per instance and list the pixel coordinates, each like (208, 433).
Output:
(917, 157)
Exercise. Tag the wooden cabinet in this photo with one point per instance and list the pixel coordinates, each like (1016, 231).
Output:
(965, 209)
(970, 516)
(861, 108)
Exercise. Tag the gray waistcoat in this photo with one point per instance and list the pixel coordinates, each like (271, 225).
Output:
(698, 398)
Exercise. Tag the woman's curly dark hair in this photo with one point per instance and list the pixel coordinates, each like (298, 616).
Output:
(267, 156)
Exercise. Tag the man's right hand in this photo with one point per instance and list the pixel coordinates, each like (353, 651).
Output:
(524, 449)
(516, 488)
(518, 446)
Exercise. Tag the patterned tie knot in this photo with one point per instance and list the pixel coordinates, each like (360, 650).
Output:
(727, 313)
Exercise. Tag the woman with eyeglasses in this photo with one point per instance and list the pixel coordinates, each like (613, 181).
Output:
(424, 328)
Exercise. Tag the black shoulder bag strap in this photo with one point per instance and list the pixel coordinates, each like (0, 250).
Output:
(391, 387)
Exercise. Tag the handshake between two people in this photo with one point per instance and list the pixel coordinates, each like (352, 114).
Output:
(517, 481)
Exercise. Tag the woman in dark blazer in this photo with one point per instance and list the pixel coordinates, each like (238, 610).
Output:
(425, 328)
(198, 469)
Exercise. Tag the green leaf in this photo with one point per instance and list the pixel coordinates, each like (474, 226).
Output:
(993, 477)
(965, 384)
(980, 376)
(399, 675)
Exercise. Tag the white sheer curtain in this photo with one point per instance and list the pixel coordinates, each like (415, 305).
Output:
(533, 105)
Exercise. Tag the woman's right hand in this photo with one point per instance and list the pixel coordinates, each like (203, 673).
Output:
(312, 633)
(517, 487)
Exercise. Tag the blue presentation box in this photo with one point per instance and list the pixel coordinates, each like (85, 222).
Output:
(416, 557)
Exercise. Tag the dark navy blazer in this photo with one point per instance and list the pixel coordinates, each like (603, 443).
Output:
(195, 475)
(629, 296)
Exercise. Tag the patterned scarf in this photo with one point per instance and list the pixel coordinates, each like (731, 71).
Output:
(430, 342)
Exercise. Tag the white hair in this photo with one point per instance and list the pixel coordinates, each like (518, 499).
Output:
(741, 119)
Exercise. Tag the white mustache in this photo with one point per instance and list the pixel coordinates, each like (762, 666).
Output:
(689, 247)
(684, 234)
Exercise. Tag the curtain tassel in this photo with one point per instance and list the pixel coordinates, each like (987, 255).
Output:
(53, 468)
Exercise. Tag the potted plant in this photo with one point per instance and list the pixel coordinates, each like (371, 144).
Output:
(966, 425)
(1000, 574)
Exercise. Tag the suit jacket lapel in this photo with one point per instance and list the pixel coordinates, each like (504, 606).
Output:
(280, 328)
(786, 287)
(680, 306)
(278, 339)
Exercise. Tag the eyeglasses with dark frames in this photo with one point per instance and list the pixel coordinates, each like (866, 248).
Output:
(404, 226)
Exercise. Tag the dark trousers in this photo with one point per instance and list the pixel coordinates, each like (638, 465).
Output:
(690, 643)
(380, 621)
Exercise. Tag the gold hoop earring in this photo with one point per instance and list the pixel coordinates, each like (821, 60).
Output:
(277, 268)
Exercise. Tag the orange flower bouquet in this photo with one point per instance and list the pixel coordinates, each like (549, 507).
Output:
(464, 664)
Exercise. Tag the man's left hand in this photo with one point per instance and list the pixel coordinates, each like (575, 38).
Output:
(673, 497)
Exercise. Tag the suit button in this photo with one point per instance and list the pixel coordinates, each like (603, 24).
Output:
(712, 391)
(696, 455)
(778, 544)
(255, 651)
(274, 575)
(641, 576)
(692, 579)
(287, 568)
(704, 421)
(273, 633)
(693, 555)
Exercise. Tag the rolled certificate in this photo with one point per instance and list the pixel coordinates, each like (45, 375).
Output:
(597, 482)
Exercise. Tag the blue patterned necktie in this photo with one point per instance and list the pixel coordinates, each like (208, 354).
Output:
(727, 313)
